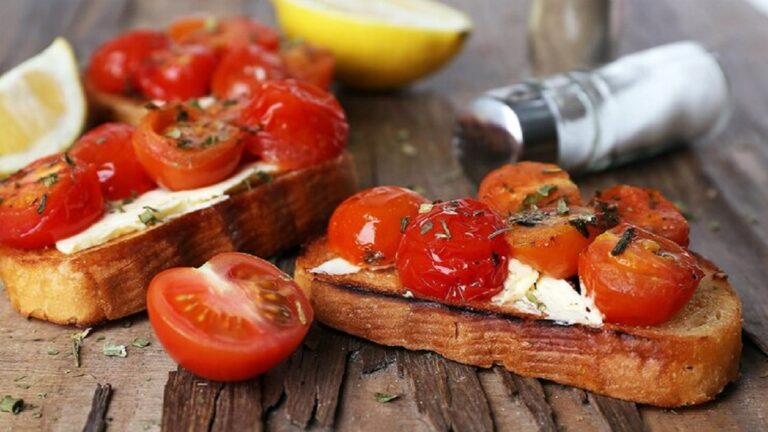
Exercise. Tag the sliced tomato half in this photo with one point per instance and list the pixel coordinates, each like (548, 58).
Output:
(231, 319)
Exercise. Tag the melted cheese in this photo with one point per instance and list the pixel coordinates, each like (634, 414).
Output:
(163, 205)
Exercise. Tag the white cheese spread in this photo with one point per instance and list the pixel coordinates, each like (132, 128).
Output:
(336, 266)
(158, 205)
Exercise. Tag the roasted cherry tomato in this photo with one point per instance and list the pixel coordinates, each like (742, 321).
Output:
(551, 240)
(184, 147)
(115, 64)
(241, 70)
(637, 277)
(232, 319)
(366, 228)
(648, 209)
(51, 199)
(310, 64)
(454, 252)
(179, 73)
(223, 34)
(109, 148)
(516, 187)
(297, 124)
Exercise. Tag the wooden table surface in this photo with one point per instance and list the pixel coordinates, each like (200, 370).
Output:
(331, 381)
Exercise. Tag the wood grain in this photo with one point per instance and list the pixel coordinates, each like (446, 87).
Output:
(97, 418)
(733, 167)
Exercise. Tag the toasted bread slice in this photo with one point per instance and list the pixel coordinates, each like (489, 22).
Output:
(109, 281)
(687, 360)
(107, 107)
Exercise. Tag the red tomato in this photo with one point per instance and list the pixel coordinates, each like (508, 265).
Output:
(232, 319)
(637, 277)
(516, 187)
(551, 242)
(241, 71)
(51, 199)
(451, 252)
(114, 64)
(648, 209)
(108, 147)
(183, 147)
(180, 73)
(366, 228)
(298, 124)
(310, 64)
(223, 34)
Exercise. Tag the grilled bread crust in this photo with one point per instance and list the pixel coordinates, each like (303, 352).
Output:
(687, 360)
(109, 281)
(108, 107)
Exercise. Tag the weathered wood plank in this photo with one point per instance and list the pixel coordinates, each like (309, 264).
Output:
(97, 418)
(532, 394)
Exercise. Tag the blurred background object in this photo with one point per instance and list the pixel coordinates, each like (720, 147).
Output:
(637, 106)
(378, 44)
(572, 34)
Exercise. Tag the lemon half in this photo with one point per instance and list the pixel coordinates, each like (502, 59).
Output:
(42, 107)
(378, 44)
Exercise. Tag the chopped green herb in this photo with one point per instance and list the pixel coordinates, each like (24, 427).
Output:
(264, 177)
(19, 378)
(140, 343)
(77, 342)
(404, 223)
(529, 218)
(53, 352)
(149, 216)
(41, 207)
(182, 115)
(184, 143)
(11, 404)
(426, 227)
(562, 207)
(535, 300)
(403, 134)
(42, 395)
(174, 133)
(385, 397)
(446, 234)
(623, 242)
(37, 415)
(425, 208)
(111, 350)
(68, 159)
(100, 338)
(247, 184)
(50, 179)
(541, 193)
(23, 386)
(499, 232)
(211, 140)
(194, 103)
(581, 222)
(714, 225)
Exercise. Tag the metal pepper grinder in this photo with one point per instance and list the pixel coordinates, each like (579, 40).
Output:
(636, 106)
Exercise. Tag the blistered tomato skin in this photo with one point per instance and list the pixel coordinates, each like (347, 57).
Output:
(53, 198)
(516, 187)
(178, 73)
(232, 319)
(241, 70)
(647, 209)
(366, 228)
(454, 252)
(637, 277)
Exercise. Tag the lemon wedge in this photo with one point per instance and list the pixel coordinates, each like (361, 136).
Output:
(378, 44)
(42, 107)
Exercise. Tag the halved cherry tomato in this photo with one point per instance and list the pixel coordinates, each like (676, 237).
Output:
(454, 252)
(183, 147)
(298, 124)
(108, 147)
(637, 277)
(366, 227)
(241, 70)
(308, 63)
(51, 199)
(232, 319)
(115, 64)
(223, 34)
(551, 241)
(179, 73)
(648, 209)
(516, 187)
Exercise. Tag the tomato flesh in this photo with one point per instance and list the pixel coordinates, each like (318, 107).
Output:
(223, 34)
(551, 242)
(451, 253)
(232, 319)
(178, 74)
(115, 64)
(366, 228)
(298, 124)
(644, 283)
(51, 199)
(184, 147)
(108, 147)
(308, 63)
(241, 70)
(648, 209)
(517, 187)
